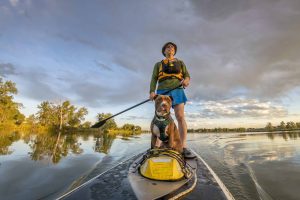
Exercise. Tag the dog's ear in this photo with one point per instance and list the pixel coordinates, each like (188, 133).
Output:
(171, 99)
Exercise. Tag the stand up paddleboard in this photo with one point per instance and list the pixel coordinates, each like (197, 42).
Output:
(123, 182)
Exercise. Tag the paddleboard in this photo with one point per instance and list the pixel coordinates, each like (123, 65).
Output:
(120, 182)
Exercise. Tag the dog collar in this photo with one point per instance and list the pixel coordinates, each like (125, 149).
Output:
(162, 118)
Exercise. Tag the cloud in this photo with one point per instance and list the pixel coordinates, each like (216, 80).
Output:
(33, 83)
(39, 86)
(238, 108)
(238, 48)
(7, 69)
(133, 118)
(218, 10)
(14, 3)
(279, 79)
(102, 65)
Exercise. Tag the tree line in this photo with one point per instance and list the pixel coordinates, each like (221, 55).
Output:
(50, 115)
(283, 126)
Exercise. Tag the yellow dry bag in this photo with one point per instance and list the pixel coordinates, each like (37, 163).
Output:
(165, 165)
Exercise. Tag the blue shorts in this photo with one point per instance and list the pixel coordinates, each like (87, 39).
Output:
(178, 96)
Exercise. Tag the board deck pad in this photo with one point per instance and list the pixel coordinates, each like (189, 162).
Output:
(114, 185)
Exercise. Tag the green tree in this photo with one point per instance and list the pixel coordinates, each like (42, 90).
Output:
(290, 125)
(9, 110)
(86, 125)
(45, 113)
(293, 125)
(77, 116)
(110, 124)
(63, 114)
(269, 127)
(137, 128)
(282, 125)
(31, 120)
(128, 127)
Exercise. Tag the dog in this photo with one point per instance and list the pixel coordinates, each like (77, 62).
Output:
(164, 131)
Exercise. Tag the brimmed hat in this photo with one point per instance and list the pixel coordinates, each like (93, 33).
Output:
(164, 47)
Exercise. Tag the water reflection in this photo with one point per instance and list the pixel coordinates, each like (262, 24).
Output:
(6, 140)
(53, 147)
(103, 142)
(293, 135)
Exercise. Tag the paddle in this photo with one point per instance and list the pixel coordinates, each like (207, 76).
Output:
(102, 122)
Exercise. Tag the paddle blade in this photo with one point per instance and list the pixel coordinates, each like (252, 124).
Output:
(99, 124)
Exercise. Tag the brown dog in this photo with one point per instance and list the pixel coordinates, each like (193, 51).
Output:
(164, 131)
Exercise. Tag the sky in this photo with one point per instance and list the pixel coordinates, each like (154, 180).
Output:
(242, 55)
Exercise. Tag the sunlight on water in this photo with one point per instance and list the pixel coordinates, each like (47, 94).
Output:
(252, 166)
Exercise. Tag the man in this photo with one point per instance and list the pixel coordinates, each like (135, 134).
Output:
(170, 73)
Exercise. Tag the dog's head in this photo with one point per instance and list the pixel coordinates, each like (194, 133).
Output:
(163, 104)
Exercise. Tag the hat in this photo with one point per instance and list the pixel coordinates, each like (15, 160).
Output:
(165, 46)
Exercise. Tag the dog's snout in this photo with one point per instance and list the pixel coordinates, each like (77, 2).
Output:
(164, 104)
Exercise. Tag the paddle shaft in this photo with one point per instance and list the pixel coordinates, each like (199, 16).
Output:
(127, 109)
(99, 124)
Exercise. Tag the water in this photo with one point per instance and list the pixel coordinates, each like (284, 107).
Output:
(252, 166)
(31, 169)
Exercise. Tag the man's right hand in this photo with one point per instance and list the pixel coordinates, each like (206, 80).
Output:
(152, 96)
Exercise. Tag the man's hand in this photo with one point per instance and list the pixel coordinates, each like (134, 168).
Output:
(186, 82)
(152, 96)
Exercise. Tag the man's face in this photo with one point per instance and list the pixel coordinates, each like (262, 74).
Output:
(170, 49)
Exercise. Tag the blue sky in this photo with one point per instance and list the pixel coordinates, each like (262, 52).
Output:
(243, 56)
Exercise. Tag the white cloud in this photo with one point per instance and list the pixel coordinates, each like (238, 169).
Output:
(238, 108)
(14, 2)
(244, 48)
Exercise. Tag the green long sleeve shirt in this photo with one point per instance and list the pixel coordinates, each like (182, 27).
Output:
(168, 83)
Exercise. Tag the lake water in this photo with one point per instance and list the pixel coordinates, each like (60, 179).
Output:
(252, 166)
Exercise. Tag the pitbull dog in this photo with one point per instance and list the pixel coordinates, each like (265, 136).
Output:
(164, 131)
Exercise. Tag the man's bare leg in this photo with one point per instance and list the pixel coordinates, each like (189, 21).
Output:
(182, 127)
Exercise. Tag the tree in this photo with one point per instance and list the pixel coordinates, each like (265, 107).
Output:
(63, 114)
(128, 127)
(9, 110)
(290, 125)
(110, 124)
(45, 113)
(282, 125)
(293, 125)
(76, 117)
(269, 127)
(86, 125)
(137, 129)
